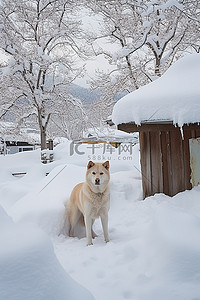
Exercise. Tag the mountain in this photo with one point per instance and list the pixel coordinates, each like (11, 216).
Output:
(84, 94)
(88, 96)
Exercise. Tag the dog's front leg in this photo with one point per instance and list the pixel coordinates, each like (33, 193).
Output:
(88, 227)
(104, 222)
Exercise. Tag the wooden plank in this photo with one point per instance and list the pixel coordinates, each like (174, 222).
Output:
(197, 133)
(178, 176)
(186, 155)
(145, 159)
(169, 162)
(156, 163)
(193, 133)
(132, 127)
(166, 165)
(195, 126)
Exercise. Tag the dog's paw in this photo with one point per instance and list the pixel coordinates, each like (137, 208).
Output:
(94, 235)
(89, 244)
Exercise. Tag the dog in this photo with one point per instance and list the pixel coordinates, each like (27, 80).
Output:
(90, 200)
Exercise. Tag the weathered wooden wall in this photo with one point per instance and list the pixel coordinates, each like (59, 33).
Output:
(165, 156)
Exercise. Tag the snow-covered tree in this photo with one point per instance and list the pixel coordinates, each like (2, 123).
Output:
(71, 122)
(44, 42)
(148, 37)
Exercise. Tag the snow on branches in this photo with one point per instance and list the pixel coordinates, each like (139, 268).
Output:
(147, 37)
(44, 42)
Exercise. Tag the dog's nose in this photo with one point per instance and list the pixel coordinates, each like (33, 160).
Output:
(97, 181)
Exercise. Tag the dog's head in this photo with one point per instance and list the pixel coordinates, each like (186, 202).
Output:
(98, 175)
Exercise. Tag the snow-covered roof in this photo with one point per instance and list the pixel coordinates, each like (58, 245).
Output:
(173, 97)
(100, 132)
(108, 134)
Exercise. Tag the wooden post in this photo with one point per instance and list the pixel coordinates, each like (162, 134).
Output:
(50, 144)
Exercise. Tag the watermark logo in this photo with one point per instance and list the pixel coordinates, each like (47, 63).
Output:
(103, 151)
(74, 148)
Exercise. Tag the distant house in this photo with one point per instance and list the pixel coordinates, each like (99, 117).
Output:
(13, 147)
(13, 141)
(166, 113)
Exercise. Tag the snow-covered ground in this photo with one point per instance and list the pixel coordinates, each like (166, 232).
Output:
(154, 248)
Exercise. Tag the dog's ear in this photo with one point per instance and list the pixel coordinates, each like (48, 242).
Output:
(106, 165)
(90, 164)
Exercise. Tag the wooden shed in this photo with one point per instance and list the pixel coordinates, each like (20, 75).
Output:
(165, 156)
(166, 113)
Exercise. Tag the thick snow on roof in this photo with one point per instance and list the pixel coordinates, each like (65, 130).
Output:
(173, 97)
(103, 132)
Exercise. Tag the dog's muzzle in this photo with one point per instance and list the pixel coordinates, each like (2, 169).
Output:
(97, 181)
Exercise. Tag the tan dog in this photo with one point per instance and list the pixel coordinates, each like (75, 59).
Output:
(91, 199)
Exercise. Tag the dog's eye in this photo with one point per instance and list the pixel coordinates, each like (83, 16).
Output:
(93, 173)
(101, 173)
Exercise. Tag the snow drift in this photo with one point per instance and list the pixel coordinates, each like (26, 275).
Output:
(154, 248)
(29, 267)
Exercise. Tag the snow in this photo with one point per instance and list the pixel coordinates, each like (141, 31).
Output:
(171, 3)
(110, 134)
(106, 131)
(154, 248)
(173, 97)
(29, 267)
(10, 132)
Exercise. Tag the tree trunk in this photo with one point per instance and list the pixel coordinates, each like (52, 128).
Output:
(131, 73)
(43, 122)
(157, 66)
(43, 138)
